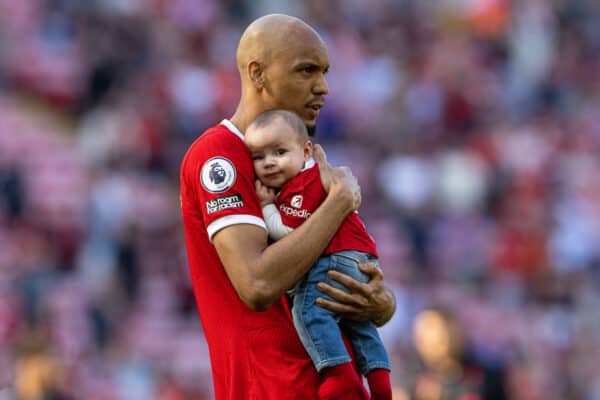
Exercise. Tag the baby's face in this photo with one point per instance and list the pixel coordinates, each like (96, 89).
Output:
(277, 152)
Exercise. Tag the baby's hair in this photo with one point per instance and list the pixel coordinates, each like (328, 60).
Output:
(288, 117)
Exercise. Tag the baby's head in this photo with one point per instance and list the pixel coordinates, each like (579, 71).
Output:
(279, 144)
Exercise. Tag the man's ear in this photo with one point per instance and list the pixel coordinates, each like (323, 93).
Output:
(256, 74)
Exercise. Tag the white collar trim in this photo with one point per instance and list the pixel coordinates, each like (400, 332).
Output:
(309, 164)
(232, 128)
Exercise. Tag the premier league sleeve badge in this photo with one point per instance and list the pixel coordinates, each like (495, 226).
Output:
(217, 175)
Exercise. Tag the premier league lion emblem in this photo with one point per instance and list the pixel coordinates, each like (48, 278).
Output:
(217, 175)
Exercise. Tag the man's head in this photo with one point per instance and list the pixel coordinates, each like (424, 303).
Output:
(279, 145)
(282, 63)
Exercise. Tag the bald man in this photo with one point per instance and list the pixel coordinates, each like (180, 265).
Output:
(239, 279)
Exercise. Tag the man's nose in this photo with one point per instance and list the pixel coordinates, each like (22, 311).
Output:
(321, 87)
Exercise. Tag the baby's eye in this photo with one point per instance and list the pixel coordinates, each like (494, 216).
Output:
(257, 157)
(280, 152)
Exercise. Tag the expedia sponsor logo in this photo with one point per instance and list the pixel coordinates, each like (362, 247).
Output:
(296, 201)
(223, 203)
(292, 212)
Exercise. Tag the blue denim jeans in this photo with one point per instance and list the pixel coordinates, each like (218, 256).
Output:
(319, 329)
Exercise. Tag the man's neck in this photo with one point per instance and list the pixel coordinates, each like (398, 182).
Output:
(245, 113)
(239, 122)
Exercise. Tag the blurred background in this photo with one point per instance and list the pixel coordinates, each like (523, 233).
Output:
(472, 125)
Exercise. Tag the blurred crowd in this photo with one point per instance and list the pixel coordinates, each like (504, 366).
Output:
(473, 127)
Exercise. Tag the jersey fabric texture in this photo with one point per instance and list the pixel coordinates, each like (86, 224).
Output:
(254, 355)
(301, 196)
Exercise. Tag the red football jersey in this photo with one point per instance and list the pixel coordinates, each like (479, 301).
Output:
(254, 355)
(302, 195)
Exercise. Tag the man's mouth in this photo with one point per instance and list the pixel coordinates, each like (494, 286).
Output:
(315, 106)
(313, 109)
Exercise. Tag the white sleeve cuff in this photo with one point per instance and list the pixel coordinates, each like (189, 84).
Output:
(228, 220)
(276, 228)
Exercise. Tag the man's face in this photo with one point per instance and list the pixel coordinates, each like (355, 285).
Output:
(295, 80)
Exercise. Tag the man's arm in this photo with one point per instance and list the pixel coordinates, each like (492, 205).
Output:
(371, 301)
(259, 273)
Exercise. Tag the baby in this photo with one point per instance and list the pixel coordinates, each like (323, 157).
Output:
(289, 187)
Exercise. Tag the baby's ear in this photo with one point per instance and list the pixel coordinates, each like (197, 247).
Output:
(308, 150)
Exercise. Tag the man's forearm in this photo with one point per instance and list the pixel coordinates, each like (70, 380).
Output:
(260, 274)
(283, 263)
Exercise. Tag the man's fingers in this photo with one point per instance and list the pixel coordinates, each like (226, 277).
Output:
(351, 179)
(327, 172)
(341, 296)
(357, 199)
(320, 156)
(371, 270)
(342, 175)
(345, 310)
(352, 284)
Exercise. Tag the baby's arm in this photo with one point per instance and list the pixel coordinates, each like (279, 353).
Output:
(275, 225)
(277, 229)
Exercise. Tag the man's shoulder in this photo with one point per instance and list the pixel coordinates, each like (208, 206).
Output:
(214, 141)
(219, 135)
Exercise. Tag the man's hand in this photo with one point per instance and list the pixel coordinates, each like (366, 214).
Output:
(366, 301)
(265, 193)
(338, 181)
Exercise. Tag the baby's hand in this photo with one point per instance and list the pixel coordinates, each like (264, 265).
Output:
(265, 193)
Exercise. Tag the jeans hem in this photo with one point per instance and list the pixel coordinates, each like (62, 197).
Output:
(332, 362)
(375, 365)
